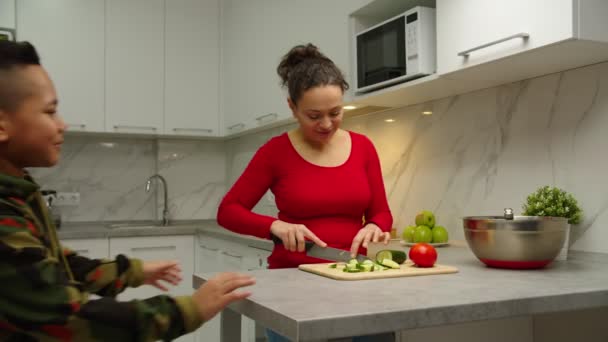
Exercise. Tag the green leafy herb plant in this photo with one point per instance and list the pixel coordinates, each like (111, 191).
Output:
(552, 201)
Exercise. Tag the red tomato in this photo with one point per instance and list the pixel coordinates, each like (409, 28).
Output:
(423, 254)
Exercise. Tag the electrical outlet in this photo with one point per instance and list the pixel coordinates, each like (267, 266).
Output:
(67, 199)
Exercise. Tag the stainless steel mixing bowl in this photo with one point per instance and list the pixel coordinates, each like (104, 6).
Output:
(519, 242)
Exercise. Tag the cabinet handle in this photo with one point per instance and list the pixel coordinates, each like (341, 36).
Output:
(204, 130)
(232, 255)
(262, 118)
(466, 53)
(209, 248)
(119, 127)
(79, 127)
(239, 125)
(154, 248)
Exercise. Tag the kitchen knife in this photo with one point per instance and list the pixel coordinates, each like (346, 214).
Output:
(327, 253)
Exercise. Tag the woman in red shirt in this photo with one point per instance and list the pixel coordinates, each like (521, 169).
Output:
(324, 179)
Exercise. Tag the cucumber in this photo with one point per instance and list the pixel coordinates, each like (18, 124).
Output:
(353, 266)
(397, 256)
(390, 263)
(378, 268)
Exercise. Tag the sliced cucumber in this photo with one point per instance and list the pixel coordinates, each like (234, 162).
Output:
(354, 266)
(391, 254)
(350, 266)
(378, 268)
(390, 263)
(367, 267)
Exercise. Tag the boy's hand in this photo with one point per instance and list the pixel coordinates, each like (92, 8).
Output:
(167, 271)
(219, 291)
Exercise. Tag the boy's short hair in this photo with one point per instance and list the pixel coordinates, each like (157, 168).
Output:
(14, 55)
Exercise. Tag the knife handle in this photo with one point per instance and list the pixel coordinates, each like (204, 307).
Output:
(277, 241)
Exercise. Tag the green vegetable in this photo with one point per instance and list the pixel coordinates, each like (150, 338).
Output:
(390, 263)
(552, 201)
(354, 266)
(397, 256)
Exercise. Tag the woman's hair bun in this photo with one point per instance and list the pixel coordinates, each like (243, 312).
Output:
(305, 67)
(297, 55)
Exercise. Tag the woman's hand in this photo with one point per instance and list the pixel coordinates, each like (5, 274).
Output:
(294, 235)
(166, 271)
(370, 232)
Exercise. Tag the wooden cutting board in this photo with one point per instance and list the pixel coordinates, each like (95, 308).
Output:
(408, 269)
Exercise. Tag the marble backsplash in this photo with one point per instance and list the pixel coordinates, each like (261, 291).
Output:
(475, 155)
(481, 152)
(110, 174)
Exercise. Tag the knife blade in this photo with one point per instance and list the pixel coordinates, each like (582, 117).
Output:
(327, 253)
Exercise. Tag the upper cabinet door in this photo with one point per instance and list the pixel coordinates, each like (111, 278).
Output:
(7, 14)
(192, 67)
(463, 25)
(256, 35)
(69, 37)
(135, 62)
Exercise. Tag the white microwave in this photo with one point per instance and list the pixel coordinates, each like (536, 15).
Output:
(397, 50)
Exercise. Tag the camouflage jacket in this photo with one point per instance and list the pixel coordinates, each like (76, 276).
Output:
(44, 288)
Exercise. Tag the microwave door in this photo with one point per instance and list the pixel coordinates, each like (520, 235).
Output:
(381, 54)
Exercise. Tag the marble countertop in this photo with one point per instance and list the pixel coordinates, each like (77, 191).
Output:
(93, 230)
(304, 306)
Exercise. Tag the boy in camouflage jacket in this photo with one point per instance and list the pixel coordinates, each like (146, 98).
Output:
(44, 288)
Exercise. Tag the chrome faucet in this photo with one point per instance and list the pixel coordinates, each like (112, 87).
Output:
(165, 202)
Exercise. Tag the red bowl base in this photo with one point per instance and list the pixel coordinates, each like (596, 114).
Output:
(516, 265)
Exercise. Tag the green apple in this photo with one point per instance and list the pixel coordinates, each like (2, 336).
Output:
(425, 218)
(440, 234)
(423, 234)
(408, 234)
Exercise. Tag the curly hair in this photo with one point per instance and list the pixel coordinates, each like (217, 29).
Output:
(305, 67)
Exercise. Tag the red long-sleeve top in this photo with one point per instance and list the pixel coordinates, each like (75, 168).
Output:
(330, 201)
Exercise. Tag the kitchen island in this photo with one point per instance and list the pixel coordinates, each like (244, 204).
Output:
(308, 307)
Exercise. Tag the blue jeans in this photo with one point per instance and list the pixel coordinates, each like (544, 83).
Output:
(275, 337)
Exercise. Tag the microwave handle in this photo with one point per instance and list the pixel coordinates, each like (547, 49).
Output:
(466, 53)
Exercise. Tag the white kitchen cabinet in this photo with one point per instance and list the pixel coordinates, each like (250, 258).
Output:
(207, 260)
(465, 24)
(135, 62)
(7, 14)
(192, 51)
(219, 255)
(150, 248)
(562, 35)
(256, 34)
(153, 248)
(91, 248)
(69, 37)
(477, 32)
